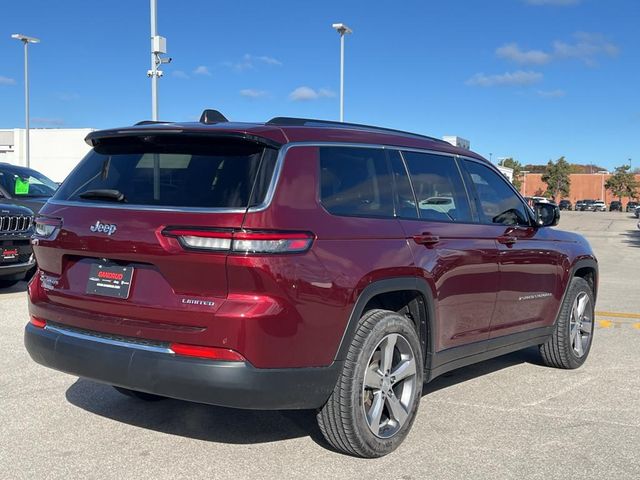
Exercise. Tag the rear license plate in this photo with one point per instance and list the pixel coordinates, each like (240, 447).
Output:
(8, 255)
(110, 280)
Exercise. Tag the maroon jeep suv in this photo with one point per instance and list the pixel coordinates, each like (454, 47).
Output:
(298, 264)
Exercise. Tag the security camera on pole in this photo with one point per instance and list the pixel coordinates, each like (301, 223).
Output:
(158, 47)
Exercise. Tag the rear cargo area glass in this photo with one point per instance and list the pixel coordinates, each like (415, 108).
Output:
(166, 172)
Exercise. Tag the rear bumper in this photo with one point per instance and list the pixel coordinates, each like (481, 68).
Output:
(148, 369)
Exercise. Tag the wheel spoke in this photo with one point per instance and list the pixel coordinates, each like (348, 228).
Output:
(574, 332)
(405, 369)
(372, 379)
(387, 353)
(587, 326)
(582, 302)
(396, 410)
(578, 345)
(575, 316)
(375, 412)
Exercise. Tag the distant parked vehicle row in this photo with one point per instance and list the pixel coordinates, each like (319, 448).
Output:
(565, 205)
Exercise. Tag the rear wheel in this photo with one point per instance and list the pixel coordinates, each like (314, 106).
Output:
(147, 397)
(376, 397)
(570, 343)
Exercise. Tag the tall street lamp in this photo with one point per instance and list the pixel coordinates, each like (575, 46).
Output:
(342, 29)
(524, 182)
(26, 41)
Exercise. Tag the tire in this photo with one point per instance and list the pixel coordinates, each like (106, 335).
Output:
(569, 345)
(348, 420)
(147, 397)
(7, 283)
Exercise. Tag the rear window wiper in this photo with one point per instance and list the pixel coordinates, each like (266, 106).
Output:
(104, 194)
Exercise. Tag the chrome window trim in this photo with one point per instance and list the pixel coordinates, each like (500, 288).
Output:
(113, 342)
(275, 180)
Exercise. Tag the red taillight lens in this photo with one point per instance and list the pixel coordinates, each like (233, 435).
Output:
(37, 322)
(242, 241)
(212, 353)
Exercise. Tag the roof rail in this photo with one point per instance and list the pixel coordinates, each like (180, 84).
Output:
(212, 116)
(310, 122)
(150, 122)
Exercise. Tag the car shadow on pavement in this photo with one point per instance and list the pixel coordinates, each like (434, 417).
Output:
(234, 426)
(194, 420)
(632, 237)
(17, 288)
(449, 379)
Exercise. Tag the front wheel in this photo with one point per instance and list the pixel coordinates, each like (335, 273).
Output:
(376, 397)
(570, 343)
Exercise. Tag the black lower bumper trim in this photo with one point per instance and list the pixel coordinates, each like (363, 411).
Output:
(229, 384)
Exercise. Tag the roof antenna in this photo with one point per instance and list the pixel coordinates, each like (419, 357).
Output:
(212, 116)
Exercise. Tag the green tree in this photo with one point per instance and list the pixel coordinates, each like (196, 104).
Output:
(556, 176)
(516, 166)
(622, 183)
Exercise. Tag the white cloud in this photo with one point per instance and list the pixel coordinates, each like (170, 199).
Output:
(202, 70)
(307, 93)
(513, 52)
(587, 47)
(551, 93)
(7, 81)
(50, 122)
(180, 74)
(249, 62)
(519, 77)
(269, 60)
(253, 93)
(554, 3)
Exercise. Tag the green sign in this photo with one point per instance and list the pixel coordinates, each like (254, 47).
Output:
(22, 186)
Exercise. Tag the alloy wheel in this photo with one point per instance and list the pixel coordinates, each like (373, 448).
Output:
(389, 385)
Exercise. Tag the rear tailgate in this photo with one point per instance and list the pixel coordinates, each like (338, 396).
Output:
(174, 292)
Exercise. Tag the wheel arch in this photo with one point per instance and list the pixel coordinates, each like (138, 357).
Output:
(389, 293)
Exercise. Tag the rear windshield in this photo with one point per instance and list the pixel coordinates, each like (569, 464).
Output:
(186, 172)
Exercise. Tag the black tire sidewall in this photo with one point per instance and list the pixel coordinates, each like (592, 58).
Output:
(391, 323)
(578, 285)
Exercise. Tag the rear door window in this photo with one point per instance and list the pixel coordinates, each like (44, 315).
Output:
(355, 182)
(167, 172)
(438, 187)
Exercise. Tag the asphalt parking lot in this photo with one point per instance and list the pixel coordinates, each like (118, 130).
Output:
(505, 418)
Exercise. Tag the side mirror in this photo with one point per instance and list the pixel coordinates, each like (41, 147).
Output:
(547, 214)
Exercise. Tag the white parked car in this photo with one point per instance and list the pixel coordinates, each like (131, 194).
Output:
(599, 206)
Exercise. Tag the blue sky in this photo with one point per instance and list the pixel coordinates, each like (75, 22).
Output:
(533, 79)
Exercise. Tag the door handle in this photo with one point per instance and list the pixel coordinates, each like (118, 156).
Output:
(426, 239)
(507, 239)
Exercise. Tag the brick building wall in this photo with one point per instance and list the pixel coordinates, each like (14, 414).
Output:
(583, 186)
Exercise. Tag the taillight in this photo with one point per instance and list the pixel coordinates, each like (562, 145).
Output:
(37, 322)
(211, 353)
(46, 227)
(247, 242)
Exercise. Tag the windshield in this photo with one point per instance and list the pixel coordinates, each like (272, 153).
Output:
(27, 183)
(183, 173)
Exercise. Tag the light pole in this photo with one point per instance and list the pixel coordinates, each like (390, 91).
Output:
(602, 174)
(26, 41)
(158, 47)
(342, 29)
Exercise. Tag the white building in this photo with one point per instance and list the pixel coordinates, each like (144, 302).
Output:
(457, 141)
(54, 152)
